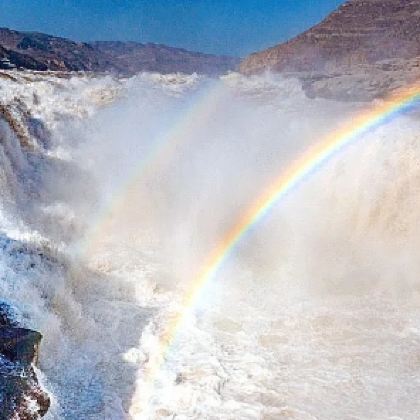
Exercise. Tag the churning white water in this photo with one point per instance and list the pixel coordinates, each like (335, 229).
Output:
(114, 192)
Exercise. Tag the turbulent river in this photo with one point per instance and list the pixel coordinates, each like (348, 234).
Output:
(114, 192)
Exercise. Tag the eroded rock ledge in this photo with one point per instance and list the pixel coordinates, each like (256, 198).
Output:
(21, 396)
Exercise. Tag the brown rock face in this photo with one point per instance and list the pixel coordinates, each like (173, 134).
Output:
(359, 32)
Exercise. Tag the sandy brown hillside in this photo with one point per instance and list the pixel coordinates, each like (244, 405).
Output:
(359, 32)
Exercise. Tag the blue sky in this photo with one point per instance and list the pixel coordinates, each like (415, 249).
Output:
(234, 27)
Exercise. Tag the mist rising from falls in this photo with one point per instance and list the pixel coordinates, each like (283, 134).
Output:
(114, 192)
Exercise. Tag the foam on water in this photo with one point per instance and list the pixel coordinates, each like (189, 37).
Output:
(316, 314)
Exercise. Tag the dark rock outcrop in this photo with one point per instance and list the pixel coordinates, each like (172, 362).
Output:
(21, 396)
(37, 51)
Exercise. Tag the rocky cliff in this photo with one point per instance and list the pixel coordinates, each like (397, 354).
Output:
(358, 32)
(37, 51)
(363, 50)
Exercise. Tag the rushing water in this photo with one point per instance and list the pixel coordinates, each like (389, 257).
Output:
(114, 192)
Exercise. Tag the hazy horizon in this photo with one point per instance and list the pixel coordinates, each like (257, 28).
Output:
(231, 27)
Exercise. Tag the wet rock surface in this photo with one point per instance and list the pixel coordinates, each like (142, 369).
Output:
(21, 396)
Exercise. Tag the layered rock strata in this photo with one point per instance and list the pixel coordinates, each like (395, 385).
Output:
(361, 51)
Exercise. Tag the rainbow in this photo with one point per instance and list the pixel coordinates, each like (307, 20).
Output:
(295, 174)
(196, 115)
